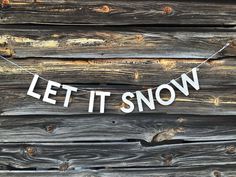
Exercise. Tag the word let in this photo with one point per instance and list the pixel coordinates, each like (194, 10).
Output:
(49, 91)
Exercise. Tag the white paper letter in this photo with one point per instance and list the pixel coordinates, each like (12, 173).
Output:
(185, 79)
(141, 97)
(91, 101)
(32, 86)
(172, 94)
(50, 91)
(68, 89)
(102, 99)
(128, 102)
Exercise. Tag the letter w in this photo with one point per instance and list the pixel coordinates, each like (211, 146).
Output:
(185, 79)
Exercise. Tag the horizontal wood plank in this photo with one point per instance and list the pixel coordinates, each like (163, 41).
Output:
(217, 101)
(121, 42)
(117, 46)
(206, 171)
(118, 12)
(133, 72)
(72, 156)
(148, 127)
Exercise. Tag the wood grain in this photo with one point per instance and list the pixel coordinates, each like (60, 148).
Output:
(118, 12)
(14, 101)
(117, 46)
(133, 72)
(152, 128)
(206, 171)
(121, 42)
(72, 156)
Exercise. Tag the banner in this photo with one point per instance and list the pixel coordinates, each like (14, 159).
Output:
(154, 94)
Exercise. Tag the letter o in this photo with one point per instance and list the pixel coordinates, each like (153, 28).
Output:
(172, 94)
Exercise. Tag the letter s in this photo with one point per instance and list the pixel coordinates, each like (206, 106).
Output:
(128, 102)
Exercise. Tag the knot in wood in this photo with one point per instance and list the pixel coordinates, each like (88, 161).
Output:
(216, 173)
(139, 38)
(233, 43)
(106, 9)
(167, 159)
(64, 166)
(103, 9)
(167, 10)
(230, 149)
(31, 151)
(50, 128)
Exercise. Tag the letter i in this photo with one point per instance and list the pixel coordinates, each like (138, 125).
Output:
(91, 101)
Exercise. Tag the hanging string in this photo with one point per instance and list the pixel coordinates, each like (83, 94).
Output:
(29, 72)
(210, 57)
(24, 69)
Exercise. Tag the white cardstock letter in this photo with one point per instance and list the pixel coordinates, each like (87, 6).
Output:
(91, 101)
(50, 91)
(128, 102)
(185, 80)
(68, 89)
(32, 86)
(102, 99)
(141, 97)
(158, 94)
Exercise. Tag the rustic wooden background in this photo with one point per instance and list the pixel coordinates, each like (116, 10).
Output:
(117, 45)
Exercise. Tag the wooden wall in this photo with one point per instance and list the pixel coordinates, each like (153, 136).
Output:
(117, 46)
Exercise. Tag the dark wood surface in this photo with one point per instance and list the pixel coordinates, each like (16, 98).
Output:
(119, 12)
(206, 171)
(117, 46)
(74, 156)
(216, 74)
(151, 128)
(214, 102)
(115, 42)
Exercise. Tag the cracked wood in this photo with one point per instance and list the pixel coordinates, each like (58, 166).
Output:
(118, 12)
(121, 42)
(206, 171)
(72, 156)
(152, 128)
(14, 101)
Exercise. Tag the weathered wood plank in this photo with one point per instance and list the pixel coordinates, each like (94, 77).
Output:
(206, 171)
(121, 42)
(14, 101)
(131, 154)
(118, 12)
(148, 127)
(143, 72)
